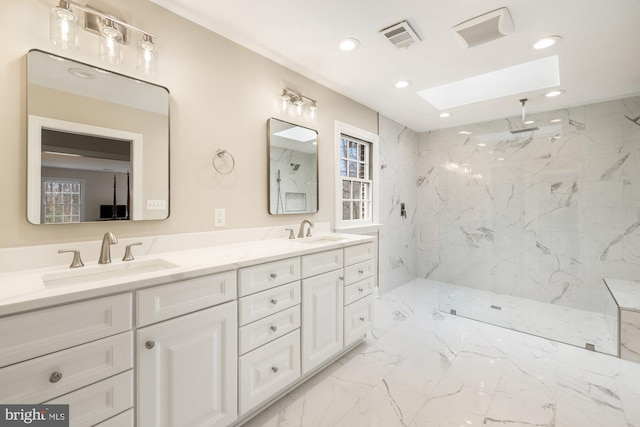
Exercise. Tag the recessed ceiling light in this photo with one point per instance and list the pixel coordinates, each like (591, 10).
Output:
(464, 132)
(347, 45)
(83, 74)
(555, 120)
(535, 75)
(500, 158)
(554, 93)
(482, 145)
(402, 84)
(445, 114)
(529, 122)
(556, 137)
(546, 42)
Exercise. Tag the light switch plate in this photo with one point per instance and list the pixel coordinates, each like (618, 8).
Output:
(219, 218)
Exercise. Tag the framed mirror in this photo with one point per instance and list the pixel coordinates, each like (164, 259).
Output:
(293, 169)
(98, 144)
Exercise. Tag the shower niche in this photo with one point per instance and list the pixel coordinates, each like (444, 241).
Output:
(293, 168)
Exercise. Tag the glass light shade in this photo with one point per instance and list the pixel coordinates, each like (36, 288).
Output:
(299, 107)
(63, 30)
(110, 47)
(147, 56)
(313, 112)
(286, 99)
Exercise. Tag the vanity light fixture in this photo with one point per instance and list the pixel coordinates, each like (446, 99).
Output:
(299, 106)
(554, 93)
(114, 34)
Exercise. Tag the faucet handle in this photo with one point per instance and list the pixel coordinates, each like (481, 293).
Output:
(309, 231)
(77, 261)
(291, 235)
(128, 256)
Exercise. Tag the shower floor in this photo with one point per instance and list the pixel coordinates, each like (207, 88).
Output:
(555, 322)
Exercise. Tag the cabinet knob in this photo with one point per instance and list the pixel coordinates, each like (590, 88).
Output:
(341, 277)
(360, 290)
(273, 275)
(362, 319)
(149, 345)
(274, 301)
(55, 377)
(273, 328)
(361, 271)
(274, 369)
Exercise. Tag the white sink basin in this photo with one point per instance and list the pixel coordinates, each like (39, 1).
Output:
(105, 272)
(322, 239)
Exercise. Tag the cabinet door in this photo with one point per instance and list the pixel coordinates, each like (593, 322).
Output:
(322, 330)
(187, 370)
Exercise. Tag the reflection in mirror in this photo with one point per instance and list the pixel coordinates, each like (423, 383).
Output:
(98, 144)
(293, 168)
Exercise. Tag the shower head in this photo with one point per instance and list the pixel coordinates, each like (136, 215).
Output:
(295, 166)
(524, 129)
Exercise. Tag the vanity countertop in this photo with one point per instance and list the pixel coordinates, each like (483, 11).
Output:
(26, 290)
(625, 292)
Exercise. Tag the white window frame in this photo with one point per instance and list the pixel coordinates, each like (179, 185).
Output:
(373, 139)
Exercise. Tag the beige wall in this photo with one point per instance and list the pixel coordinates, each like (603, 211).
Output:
(221, 97)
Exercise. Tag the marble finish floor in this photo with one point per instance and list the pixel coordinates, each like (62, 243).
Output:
(422, 367)
(556, 322)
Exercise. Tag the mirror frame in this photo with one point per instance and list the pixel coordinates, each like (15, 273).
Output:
(317, 170)
(36, 123)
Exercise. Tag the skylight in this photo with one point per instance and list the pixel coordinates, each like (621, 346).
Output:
(297, 133)
(539, 74)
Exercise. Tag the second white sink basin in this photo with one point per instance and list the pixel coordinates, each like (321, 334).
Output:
(105, 272)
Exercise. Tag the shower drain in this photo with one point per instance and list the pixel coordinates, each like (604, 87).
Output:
(496, 307)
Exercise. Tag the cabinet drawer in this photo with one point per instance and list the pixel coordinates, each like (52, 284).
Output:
(356, 272)
(99, 401)
(358, 290)
(322, 262)
(358, 253)
(358, 319)
(29, 335)
(269, 369)
(168, 301)
(33, 381)
(264, 276)
(267, 302)
(263, 331)
(125, 419)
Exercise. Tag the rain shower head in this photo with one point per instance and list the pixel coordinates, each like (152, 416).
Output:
(295, 166)
(524, 129)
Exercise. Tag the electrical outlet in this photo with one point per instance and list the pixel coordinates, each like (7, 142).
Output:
(219, 218)
(156, 205)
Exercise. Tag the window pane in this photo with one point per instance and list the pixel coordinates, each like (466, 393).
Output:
(353, 150)
(366, 194)
(346, 189)
(346, 210)
(361, 173)
(356, 190)
(353, 170)
(357, 206)
(343, 168)
(361, 153)
(343, 147)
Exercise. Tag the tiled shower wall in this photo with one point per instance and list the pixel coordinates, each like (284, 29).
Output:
(398, 245)
(543, 216)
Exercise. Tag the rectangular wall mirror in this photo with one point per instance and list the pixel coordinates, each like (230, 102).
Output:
(293, 169)
(98, 144)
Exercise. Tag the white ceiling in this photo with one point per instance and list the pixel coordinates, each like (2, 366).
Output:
(599, 54)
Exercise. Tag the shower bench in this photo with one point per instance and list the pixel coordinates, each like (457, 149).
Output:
(626, 294)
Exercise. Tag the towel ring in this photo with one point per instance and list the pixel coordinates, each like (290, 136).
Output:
(221, 162)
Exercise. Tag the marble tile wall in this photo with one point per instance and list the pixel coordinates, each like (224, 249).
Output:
(398, 245)
(297, 177)
(543, 216)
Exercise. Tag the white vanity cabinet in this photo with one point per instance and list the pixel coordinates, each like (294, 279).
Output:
(359, 282)
(79, 354)
(187, 365)
(269, 332)
(322, 303)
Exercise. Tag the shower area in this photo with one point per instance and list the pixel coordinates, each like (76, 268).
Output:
(519, 229)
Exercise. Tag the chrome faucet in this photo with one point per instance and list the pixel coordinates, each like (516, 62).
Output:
(301, 231)
(105, 253)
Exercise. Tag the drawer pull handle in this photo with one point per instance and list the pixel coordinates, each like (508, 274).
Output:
(273, 275)
(274, 328)
(274, 301)
(362, 319)
(274, 369)
(55, 377)
(360, 290)
(361, 271)
(149, 345)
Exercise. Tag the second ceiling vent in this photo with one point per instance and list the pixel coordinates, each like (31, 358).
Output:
(484, 28)
(400, 35)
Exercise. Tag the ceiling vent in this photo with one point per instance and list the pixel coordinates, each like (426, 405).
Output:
(484, 28)
(400, 35)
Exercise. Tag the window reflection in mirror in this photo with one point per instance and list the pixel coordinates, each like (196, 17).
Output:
(98, 144)
(293, 168)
